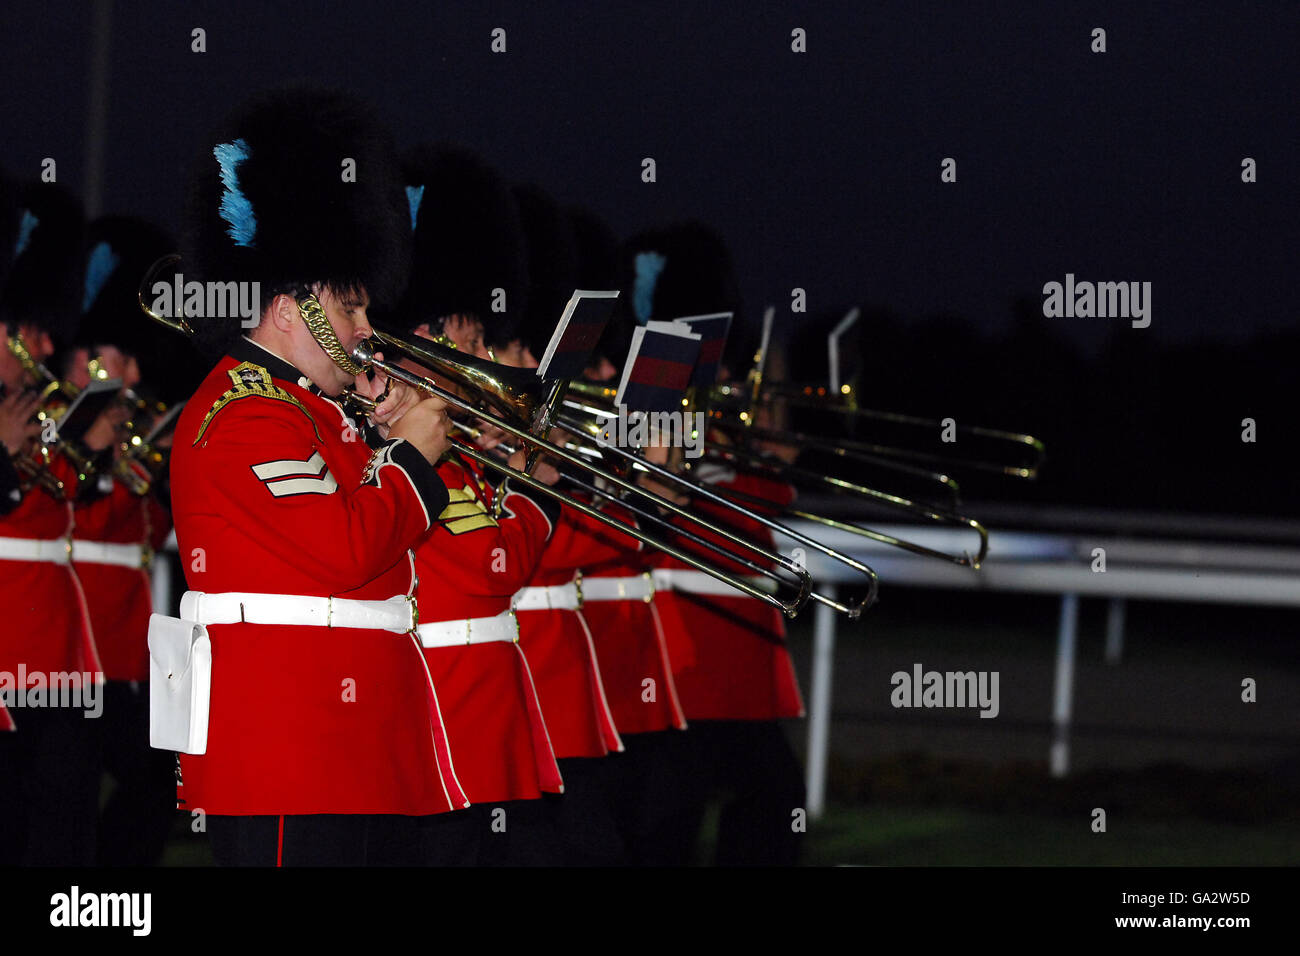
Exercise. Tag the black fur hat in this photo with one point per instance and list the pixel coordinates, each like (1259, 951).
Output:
(468, 242)
(300, 185)
(679, 270)
(552, 264)
(598, 269)
(44, 283)
(120, 250)
(10, 216)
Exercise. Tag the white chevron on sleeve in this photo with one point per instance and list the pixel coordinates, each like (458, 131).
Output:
(288, 466)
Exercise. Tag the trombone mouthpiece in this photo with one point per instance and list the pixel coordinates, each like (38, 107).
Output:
(363, 353)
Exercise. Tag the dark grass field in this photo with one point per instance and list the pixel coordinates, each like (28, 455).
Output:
(1187, 773)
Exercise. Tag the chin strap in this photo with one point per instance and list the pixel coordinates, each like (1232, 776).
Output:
(318, 324)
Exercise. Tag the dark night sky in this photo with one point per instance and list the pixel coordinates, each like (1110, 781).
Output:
(822, 169)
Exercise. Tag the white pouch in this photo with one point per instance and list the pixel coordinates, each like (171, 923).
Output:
(180, 684)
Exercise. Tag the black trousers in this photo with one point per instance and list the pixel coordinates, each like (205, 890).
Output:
(584, 815)
(49, 788)
(644, 794)
(136, 820)
(324, 839)
(508, 833)
(748, 764)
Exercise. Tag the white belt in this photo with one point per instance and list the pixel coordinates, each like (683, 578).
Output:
(396, 614)
(697, 582)
(473, 630)
(556, 597)
(102, 552)
(638, 587)
(56, 550)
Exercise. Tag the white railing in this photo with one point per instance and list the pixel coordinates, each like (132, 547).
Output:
(1030, 562)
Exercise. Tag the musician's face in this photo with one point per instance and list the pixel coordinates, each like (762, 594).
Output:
(114, 362)
(462, 331)
(347, 316)
(38, 343)
(516, 354)
(465, 332)
(601, 369)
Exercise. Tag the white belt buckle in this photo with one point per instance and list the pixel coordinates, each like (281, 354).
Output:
(650, 586)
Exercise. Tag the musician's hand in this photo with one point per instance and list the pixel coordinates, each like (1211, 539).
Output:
(16, 425)
(397, 398)
(490, 436)
(426, 426)
(544, 471)
(106, 429)
(659, 454)
(668, 457)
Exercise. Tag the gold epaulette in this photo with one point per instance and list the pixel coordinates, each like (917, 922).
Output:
(252, 381)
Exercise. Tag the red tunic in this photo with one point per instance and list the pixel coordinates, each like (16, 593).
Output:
(305, 719)
(631, 648)
(559, 643)
(728, 654)
(470, 565)
(119, 598)
(46, 626)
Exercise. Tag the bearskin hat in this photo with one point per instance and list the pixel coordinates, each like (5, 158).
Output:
(467, 242)
(679, 270)
(300, 185)
(44, 283)
(552, 265)
(120, 251)
(598, 269)
(10, 216)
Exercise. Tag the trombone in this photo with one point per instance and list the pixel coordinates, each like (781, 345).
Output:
(635, 462)
(1031, 449)
(738, 456)
(507, 390)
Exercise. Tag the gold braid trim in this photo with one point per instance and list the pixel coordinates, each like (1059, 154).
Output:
(252, 381)
(318, 324)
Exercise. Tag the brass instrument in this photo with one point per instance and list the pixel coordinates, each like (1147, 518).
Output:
(598, 400)
(484, 380)
(56, 396)
(140, 461)
(511, 403)
(1027, 450)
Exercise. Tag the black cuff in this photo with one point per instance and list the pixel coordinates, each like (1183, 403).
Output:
(11, 495)
(368, 432)
(548, 505)
(424, 476)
